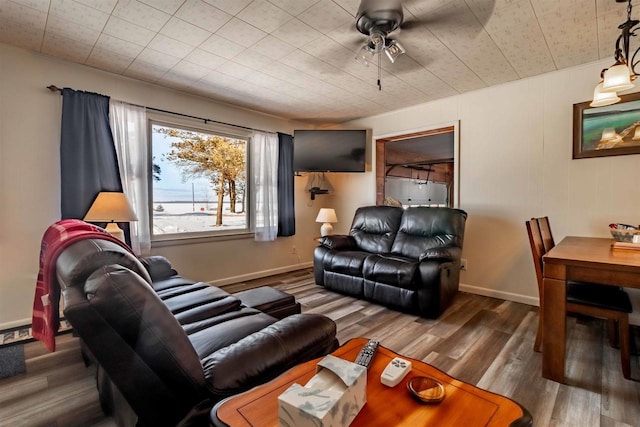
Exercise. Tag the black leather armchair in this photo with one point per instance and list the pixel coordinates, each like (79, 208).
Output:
(405, 259)
(168, 348)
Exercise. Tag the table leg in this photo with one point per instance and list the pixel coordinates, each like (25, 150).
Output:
(554, 329)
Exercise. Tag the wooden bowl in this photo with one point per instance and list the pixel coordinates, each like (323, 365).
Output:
(426, 389)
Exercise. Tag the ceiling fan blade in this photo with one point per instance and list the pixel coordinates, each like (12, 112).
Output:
(427, 13)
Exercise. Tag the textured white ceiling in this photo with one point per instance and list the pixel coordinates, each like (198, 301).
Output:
(294, 58)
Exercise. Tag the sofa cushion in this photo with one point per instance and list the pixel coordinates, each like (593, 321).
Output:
(199, 297)
(446, 253)
(374, 228)
(393, 270)
(345, 262)
(221, 334)
(184, 288)
(268, 353)
(175, 281)
(338, 242)
(208, 309)
(425, 228)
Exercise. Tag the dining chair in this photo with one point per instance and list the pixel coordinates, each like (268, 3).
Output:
(590, 299)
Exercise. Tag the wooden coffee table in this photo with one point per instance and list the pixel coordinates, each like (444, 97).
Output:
(464, 404)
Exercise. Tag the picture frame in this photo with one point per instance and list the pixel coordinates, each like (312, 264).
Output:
(607, 131)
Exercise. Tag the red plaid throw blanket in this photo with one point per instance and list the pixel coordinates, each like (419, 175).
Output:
(46, 312)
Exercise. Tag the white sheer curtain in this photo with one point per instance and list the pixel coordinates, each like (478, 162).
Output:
(264, 162)
(129, 127)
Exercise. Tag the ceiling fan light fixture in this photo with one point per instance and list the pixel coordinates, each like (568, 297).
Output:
(376, 19)
(365, 55)
(377, 40)
(393, 49)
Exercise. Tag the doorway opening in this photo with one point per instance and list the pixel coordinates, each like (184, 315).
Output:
(418, 168)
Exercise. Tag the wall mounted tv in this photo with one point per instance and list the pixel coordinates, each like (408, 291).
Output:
(329, 150)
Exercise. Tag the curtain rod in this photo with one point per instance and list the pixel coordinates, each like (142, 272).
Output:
(54, 88)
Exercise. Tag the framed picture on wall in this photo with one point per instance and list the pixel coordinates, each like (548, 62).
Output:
(607, 131)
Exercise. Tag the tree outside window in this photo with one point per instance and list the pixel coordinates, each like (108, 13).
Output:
(199, 181)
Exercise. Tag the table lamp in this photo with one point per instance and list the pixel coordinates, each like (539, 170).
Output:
(326, 216)
(111, 207)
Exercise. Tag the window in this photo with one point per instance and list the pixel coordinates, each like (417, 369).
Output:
(198, 183)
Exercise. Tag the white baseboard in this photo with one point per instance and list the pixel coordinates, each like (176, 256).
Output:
(486, 292)
(15, 324)
(259, 274)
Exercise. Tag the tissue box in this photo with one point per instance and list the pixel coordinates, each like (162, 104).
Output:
(300, 406)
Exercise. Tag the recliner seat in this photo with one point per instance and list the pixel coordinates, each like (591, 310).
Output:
(170, 348)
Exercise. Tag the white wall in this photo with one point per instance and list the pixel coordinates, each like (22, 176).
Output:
(515, 149)
(30, 177)
(515, 163)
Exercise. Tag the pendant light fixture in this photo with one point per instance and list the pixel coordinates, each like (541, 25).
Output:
(621, 74)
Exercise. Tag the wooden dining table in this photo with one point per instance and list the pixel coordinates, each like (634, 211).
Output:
(584, 259)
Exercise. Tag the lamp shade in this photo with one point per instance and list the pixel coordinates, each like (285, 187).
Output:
(600, 98)
(327, 215)
(617, 78)
(110, 207)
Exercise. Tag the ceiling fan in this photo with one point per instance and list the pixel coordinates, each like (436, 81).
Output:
(377, 19)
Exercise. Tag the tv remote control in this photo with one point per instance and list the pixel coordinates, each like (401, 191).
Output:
(395, 371)
(366, 354)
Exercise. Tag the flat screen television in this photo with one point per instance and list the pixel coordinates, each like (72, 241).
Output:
(329, 150)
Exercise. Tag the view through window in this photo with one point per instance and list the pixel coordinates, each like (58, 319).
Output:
(198, 183)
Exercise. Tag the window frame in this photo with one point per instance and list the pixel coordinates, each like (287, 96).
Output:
(194, 125)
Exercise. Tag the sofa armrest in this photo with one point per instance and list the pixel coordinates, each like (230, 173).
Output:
(442, 253)
(440, 279)
(159, 267)
(265, 354)
(338, 242)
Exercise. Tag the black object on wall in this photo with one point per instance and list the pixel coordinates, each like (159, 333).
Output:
(286, 205)
(329, 150)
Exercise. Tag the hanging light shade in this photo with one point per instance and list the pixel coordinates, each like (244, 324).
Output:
(601, 99)
(621, 74)
(393, 50)
(365, 55)
(617, 78)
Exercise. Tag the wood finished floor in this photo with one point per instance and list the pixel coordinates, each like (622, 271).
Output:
(480, 340)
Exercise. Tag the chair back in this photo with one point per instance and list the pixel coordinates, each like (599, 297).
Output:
(545, 232)
(537, 249)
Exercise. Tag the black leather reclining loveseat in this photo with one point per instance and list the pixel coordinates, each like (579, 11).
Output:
(168, 348)
(407, 259)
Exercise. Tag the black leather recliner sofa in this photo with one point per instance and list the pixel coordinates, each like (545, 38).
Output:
(407, 259)
(168, 348)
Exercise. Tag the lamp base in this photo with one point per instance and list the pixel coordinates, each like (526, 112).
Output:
(326, 229)
(113, 229)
